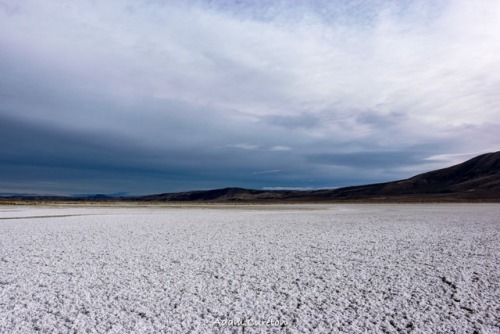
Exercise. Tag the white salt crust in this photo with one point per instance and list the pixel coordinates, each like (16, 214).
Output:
(291, 269)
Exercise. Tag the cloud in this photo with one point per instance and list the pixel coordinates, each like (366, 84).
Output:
(156, 90)
(280, 148)
(454, 158)
(366, 160)
(306, 121)
(267, 172)
(244, 146)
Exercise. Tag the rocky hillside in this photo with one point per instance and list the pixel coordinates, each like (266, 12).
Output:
(476, 179)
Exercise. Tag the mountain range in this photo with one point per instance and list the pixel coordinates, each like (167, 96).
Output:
(477, 179)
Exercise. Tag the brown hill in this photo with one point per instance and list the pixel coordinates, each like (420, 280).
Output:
(225, 195)
(477, 179)
(474, 179)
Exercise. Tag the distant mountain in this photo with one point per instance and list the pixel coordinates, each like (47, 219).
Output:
(477, 179)
(225, 195)
(101, 196)
(59, 198)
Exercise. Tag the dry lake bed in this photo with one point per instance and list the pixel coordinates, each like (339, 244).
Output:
(432, 268)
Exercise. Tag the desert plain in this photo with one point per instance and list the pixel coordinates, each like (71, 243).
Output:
(329, 268)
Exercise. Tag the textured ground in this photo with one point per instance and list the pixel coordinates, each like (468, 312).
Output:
(298, 269)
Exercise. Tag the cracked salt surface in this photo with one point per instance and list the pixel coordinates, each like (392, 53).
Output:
(327, 269)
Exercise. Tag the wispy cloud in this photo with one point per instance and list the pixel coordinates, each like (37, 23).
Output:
(244, 146)
(280, 148)
(267, 172)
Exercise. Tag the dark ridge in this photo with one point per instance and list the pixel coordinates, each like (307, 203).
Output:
(475, 180)
(225, 194)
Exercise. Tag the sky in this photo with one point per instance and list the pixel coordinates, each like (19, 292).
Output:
(144, 97)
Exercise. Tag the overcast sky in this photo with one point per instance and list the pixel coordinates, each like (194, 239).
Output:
(159, 96)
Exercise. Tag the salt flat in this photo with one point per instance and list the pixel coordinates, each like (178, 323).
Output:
(289, 269)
